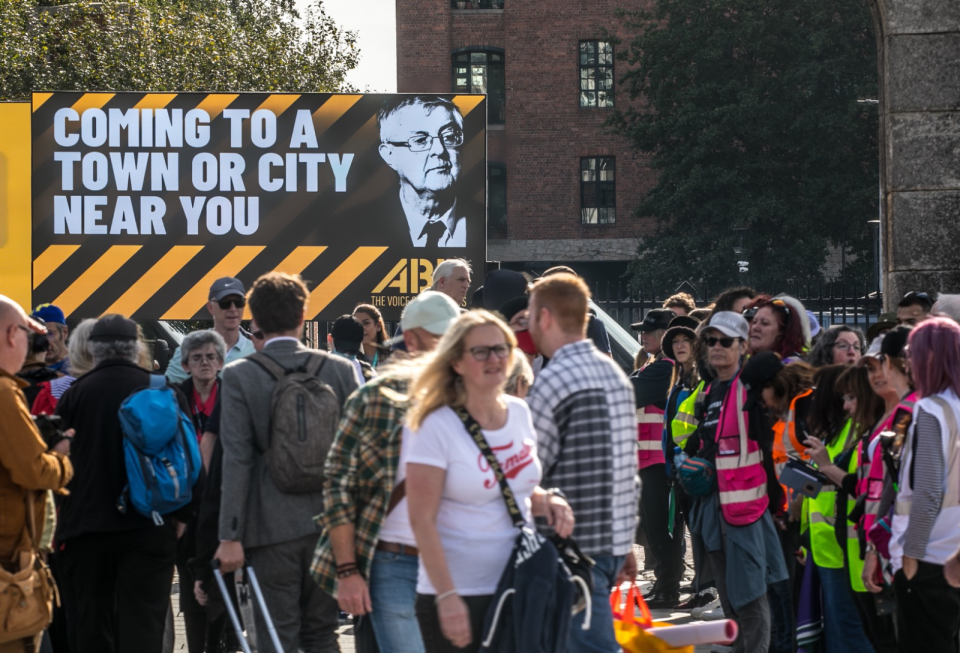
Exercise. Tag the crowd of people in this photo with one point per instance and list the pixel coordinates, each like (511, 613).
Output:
(406, 479)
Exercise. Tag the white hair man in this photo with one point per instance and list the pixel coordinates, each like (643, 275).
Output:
(452, 278)
(947, 306)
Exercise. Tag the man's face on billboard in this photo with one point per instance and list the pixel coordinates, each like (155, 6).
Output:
(437, 129)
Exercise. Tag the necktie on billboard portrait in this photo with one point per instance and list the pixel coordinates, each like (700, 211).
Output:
(434, 232)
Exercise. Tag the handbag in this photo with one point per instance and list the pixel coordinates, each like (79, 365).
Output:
(27, 595)
(697, 476)
(635, 634)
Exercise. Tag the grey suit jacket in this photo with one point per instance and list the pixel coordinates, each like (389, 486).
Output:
(252, 510)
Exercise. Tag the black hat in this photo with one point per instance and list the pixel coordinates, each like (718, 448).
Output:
(501, 285)
(891, 344)
(513, 306)
(347, 334)
(886, 322)
(757, 372)
(114, 327)
(682, 324)
(658, 318)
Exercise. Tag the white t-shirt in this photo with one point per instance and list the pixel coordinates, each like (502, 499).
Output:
(474, 525)
(396, 527)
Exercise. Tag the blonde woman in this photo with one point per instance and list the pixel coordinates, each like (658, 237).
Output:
(463, 530)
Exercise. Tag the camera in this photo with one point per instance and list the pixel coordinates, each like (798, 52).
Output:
(49, 427)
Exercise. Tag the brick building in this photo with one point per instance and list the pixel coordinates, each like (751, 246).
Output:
(559, 190)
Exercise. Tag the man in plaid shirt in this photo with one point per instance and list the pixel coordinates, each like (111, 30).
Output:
(367, 555)
(585, 415)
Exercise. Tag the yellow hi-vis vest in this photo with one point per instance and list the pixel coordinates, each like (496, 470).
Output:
(821, 513)
(685, 421)
(854, 561)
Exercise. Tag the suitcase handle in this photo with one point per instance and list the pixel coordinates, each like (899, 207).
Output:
(252, 577)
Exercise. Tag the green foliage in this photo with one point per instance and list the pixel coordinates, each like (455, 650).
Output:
(749, 111)
(179, 45)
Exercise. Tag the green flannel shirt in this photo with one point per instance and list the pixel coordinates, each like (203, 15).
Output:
(360, 473)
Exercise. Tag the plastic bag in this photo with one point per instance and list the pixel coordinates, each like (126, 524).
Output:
(634, 634)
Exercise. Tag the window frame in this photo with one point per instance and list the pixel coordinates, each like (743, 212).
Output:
(604, 209)
(494, 57)
(597, 70)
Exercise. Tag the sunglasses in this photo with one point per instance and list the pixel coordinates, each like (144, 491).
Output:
(779, 303)
(726, 343)
(749, 313)
(257, 335)
(227, 302)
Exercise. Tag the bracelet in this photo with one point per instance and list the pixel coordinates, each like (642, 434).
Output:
(346, 573)
(347, 565)
(437, 600)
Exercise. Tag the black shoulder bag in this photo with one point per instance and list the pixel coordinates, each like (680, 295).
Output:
(576, 566)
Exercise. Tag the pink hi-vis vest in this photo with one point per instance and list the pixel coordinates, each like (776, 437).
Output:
(649, 436)
(873, 480)
(740, 475)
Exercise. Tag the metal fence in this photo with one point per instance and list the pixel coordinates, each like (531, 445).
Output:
(839, 302)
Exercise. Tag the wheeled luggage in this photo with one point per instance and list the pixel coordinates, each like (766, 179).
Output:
(244, 599)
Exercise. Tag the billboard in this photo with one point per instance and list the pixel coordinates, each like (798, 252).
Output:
(141, 200)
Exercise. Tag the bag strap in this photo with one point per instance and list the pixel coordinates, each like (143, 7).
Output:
(397, 496)
(31, 524)
(315, 363)
(477, 434)
(270, 366)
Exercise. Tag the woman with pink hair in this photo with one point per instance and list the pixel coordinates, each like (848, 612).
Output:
(926, 522)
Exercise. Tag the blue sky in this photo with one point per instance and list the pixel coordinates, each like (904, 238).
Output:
(374, 21)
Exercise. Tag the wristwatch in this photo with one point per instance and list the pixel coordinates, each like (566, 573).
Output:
(557, 492)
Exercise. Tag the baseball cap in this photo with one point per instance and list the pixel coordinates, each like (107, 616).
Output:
(886, 322)
(50, 314)
(224, 287)
(347, 334)
(756, 373)
(730, 324)
(814, 324)
(430, 310)
(114, 327)
(658, 318)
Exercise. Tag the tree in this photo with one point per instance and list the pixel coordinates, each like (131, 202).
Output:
(749, 111)
(158, 45)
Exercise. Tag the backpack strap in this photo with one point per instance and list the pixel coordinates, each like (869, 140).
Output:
(477, 434)
(315, 363)
(269, 365)
(158, 381)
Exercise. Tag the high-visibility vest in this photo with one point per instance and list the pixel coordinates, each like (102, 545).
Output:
(944, 537)
(785, 442)
(821, 513)
(740, 475)
(876, 470)
(649, 436)
(685, 422)
(854, 559)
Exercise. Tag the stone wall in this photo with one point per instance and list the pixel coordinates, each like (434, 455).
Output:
(919, 48)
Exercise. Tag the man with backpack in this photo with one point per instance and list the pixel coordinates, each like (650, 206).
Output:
(116, 565)
(279, 412)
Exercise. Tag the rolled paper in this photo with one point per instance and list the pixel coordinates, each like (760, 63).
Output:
(705, 632)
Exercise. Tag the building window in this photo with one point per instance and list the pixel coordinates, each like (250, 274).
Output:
(598, 190)
(476, 4)
(481, 71)
(596, 74)
(496, 200)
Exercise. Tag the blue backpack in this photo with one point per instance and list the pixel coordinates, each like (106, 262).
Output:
(160, 449)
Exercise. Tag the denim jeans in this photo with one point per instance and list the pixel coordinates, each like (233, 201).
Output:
(599, 638)
(393, 595)
(842, 628)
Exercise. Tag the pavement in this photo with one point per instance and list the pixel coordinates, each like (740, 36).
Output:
(346, 629)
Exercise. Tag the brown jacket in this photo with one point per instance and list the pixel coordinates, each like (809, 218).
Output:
(25, 465)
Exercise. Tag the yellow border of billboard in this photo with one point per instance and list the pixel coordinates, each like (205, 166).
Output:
(15, 223)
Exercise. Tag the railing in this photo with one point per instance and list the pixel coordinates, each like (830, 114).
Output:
(833, 303)
(476, 4)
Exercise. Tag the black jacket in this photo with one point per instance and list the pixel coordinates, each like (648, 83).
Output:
(91, 406)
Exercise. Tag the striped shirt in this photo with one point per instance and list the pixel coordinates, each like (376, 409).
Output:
(585, 415)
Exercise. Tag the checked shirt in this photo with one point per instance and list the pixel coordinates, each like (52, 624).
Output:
(360, 473)
(584, 412)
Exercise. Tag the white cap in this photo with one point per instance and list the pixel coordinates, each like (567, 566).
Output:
(730, 324)
(430, 310)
